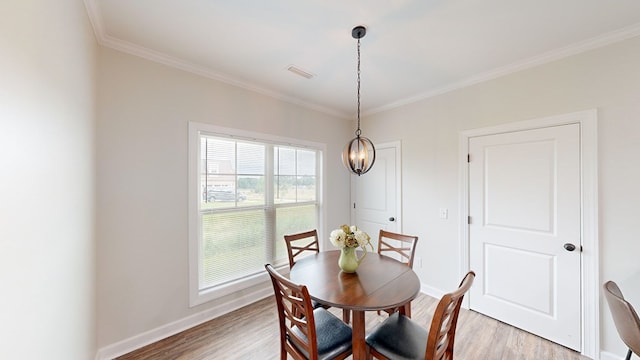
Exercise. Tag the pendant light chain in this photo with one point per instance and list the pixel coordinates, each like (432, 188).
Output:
(358, 132)
(359, 154)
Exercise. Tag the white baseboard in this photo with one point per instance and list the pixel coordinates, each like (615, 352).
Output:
(128, 345)
(604, 355)
(609, 356)
(431, 291)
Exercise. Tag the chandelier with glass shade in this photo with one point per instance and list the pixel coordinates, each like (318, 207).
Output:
(359, 154)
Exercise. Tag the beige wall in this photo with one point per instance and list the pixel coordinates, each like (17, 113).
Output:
(607, 79)
(144, 110)
(47, 274)
(47, 147)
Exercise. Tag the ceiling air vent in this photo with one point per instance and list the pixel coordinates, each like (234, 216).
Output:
(296, 70)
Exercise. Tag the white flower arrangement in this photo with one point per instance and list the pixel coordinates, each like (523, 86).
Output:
(349, 236)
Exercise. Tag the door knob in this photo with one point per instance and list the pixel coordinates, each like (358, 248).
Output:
(569, 247)
(392, 219)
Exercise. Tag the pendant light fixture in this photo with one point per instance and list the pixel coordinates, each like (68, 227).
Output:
(359, 154)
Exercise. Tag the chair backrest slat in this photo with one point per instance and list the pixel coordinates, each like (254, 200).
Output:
(443, 325)
(294, 311)
(301, 243)
(400, 245)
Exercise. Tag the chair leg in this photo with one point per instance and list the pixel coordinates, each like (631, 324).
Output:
(629, 353)
(346, 316)
(407, 310)
(369, 356)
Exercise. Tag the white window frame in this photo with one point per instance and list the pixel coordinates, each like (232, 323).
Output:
(196, 295)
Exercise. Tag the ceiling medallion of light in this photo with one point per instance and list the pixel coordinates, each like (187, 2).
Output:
(359, 154)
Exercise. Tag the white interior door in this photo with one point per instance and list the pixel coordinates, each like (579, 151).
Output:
(375, 195)
(524, 206)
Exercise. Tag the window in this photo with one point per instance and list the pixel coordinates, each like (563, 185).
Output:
(247, 191)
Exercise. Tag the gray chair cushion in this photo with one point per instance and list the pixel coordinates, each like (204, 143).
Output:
(333, 335)
(398, 337)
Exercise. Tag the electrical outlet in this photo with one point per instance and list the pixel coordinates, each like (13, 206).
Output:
(444, 213)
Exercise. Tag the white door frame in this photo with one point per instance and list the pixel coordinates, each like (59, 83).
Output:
(590, 280)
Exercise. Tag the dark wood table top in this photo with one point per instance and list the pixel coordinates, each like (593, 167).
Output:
(379, 283)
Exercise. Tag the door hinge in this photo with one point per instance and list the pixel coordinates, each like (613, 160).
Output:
(354, 205)
(468, 158)
(469, 220)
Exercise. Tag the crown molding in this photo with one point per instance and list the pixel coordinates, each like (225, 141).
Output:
(95, 18)
(93, 11)
(174, 62)
(554, 55)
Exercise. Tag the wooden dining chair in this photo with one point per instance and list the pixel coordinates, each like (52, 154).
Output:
(625, 318)
(302, 244)
(398, 246)
(399, 337)
(402, 248)
(305, 332)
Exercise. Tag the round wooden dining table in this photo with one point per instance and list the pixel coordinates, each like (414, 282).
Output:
(379, 283)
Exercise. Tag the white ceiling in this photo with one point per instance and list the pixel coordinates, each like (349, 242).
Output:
(413, 48)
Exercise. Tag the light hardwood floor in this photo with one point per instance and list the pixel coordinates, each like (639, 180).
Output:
(252, 333)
